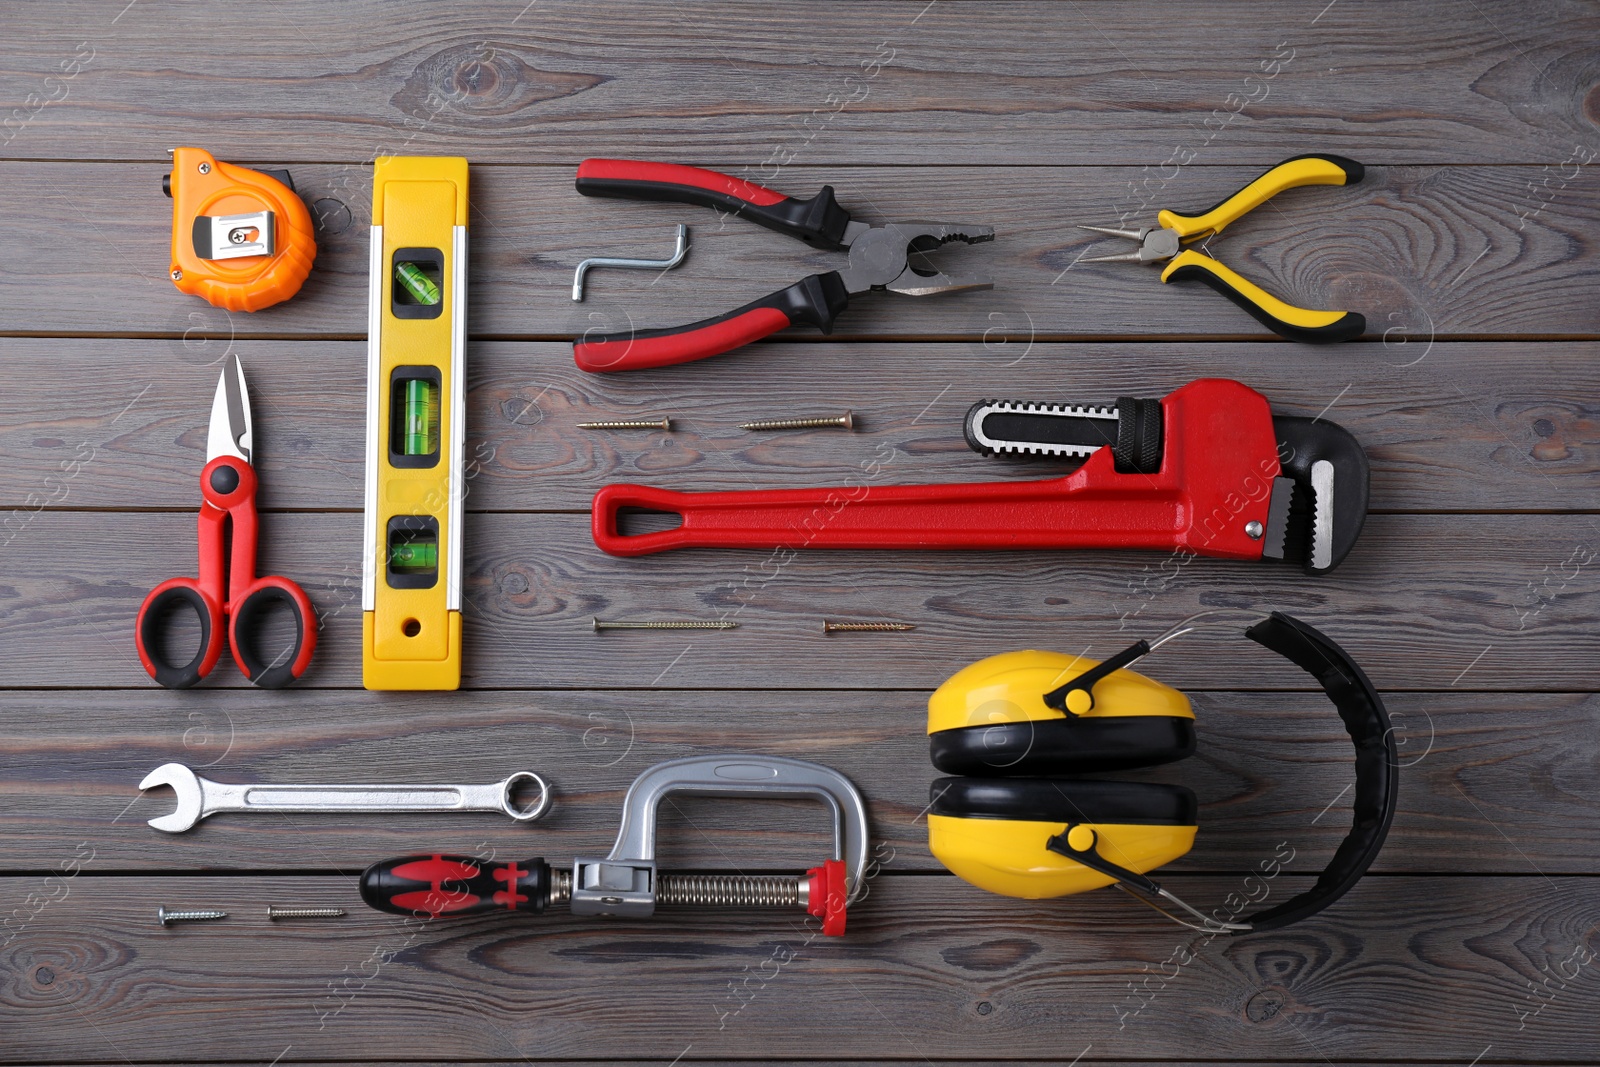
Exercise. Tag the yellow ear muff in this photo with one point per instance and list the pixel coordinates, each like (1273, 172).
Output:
(1010, 688)
(996, 832)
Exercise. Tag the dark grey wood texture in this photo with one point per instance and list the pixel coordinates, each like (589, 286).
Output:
(1471, 600)
(1421, 251)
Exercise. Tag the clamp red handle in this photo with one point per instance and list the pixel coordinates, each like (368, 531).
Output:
(816, 300)
(827, 894)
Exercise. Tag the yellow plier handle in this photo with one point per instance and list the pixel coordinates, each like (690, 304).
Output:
(1290, 174)
(1296, 323)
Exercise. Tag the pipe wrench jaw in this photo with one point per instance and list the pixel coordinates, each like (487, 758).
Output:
(1319, 502)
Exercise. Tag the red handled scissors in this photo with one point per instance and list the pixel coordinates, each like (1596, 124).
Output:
(228, 593)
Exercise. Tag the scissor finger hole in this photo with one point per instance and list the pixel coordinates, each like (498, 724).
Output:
(516, 798)
(267, 632)
(177, 621)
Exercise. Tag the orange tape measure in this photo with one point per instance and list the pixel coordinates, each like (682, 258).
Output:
(241, 238)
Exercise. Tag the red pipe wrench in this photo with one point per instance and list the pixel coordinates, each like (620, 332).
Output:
(1207, 469)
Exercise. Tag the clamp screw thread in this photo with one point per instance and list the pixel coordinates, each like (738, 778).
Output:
(729, 890)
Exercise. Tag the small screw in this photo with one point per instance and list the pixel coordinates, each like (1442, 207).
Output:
(169, 917)
(603, 624)
(1253, 530)
(847, 421)
(238, 235)
(664, 425)
(274, 912)
(205, 168)
(867, 627)
(177, 275)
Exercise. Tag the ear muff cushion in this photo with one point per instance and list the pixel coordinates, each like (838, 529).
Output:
(1063, 800)
(1062, 746)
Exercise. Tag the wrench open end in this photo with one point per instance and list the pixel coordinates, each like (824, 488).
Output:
(186, 785)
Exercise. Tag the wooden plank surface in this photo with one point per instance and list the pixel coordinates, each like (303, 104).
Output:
(1450, 426)
(1423, 602)
(1470, 600)
(1419, 969)
(1421, 251)
(1491, 783)
(1482, 81)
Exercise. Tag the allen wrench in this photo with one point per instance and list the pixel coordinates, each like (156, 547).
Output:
(678, 253)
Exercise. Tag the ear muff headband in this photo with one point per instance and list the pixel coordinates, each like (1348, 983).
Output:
(1377, 761)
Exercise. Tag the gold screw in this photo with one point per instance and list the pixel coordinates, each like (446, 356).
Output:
(604, 624)
(847, 421)
(867, 627)
(664, 425)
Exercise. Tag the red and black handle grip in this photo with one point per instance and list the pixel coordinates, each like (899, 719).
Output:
(155, 614)
(819, 221)
(245, 622)
(455, 885)
(814, 301)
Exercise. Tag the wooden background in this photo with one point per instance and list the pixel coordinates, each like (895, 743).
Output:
(1471, 600)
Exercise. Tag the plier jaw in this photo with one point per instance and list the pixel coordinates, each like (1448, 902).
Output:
(1156, 243)
(881, 258)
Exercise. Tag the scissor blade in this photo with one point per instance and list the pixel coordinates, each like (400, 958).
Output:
(230, 431)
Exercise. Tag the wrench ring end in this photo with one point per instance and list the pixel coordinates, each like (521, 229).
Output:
(509, 786)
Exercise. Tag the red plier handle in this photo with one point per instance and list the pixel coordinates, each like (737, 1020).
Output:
(228, 595)
(815, 301)
(820, 222)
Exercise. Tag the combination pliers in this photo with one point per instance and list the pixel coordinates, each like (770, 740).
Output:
(1166, 242)
(880, 258)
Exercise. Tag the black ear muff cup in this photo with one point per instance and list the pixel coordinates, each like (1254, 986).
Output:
(1062, 746)
(1064, 800)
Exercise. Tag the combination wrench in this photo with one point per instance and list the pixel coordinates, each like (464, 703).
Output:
(199, 797)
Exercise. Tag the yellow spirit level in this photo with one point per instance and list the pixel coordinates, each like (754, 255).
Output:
(416, 381)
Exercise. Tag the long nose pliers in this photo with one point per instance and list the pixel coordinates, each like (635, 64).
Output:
(881, 257)
(1166, 242)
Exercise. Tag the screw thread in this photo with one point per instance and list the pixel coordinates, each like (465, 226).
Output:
(628, 424)
(846, 421)
(275, 912)
(165, 916)
(612, 624)
(867, 627)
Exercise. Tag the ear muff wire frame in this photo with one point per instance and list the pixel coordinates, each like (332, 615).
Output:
(1081, 843)
(1061, 697)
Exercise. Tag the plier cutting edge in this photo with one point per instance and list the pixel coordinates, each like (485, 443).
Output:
(880, 258)
(1167, 241)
